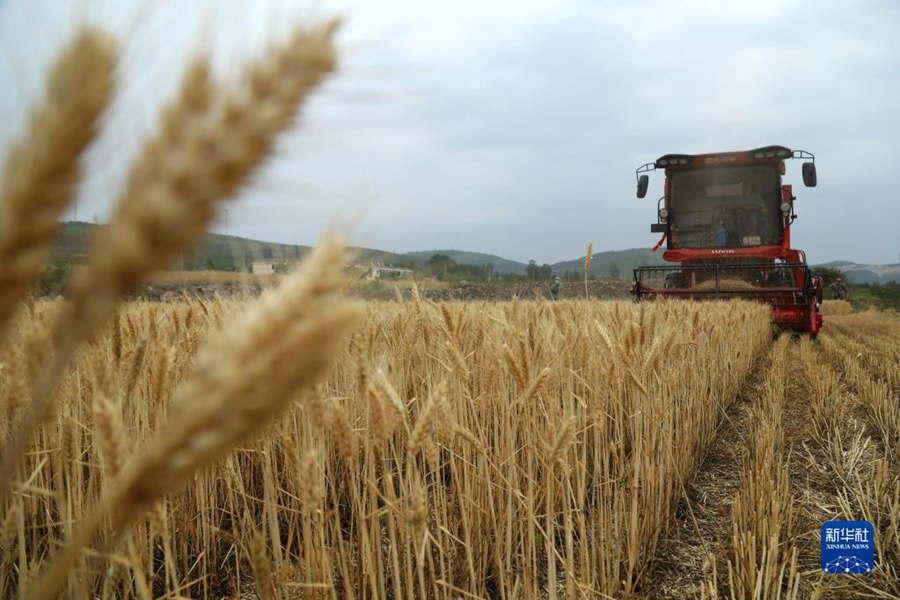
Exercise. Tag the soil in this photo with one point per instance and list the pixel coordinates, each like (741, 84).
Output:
(603, 289)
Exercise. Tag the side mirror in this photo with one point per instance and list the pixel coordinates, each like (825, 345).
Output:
(809, 174)
(644, 181)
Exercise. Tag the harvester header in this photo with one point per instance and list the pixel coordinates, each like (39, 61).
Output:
(726, 219)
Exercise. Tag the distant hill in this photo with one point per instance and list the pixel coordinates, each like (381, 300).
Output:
(857, 273)
(475, 259)
(71, 241)
(228, 252)
(222, 252)
(624, 260)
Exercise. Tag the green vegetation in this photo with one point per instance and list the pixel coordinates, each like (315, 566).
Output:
(496, 264)
(220, 252)
(616, 264)
(862, 295)
(52, 281)
(538, 273)
(828, 275)
(444, 268)
(872, 295)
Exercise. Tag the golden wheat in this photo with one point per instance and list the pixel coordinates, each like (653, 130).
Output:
(441, 482)
(43, 169)
(836, 307)
(244, 377)
(210, 142)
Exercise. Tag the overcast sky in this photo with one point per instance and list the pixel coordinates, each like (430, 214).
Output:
(507, 127)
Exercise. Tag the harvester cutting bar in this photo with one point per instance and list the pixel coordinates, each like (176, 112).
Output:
(787, 287)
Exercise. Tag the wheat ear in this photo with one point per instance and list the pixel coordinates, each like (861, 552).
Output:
(587, 266)
(209, 144)
(244, 378)
(42, 170)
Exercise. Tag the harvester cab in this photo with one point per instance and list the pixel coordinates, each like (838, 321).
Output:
(725, 219)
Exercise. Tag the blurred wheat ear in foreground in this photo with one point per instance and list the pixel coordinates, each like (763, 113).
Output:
(42, 169)
(244, 377)
(210, 143)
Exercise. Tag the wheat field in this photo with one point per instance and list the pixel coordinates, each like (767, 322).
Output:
(509, 449)
(459, 449)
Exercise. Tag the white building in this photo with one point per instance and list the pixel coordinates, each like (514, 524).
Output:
(263, 267)
(381, 271)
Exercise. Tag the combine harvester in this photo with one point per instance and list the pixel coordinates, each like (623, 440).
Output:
(726, 220)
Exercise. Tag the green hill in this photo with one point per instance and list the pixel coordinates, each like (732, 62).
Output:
(502, 266)
(226, 252)
(624, 260)
(71, 241)
(856, 273)
(221, 252)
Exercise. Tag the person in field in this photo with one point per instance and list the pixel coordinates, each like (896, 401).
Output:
(839, 289)
(555, 287)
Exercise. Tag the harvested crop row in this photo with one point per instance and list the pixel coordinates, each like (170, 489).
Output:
(833, 308)
(873, 339)
(851, 450)
(873, 375)
(764, 558)
(495, 449)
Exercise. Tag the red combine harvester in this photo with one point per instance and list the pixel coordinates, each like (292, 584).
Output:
(726, 220)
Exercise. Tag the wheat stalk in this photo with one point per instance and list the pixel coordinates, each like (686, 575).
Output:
(344, 438)
(311, 490)
(210, 143)
(487, 493)
(587, 266)
(259, 562)
(42, 171)
(430, 413)
(245, 377)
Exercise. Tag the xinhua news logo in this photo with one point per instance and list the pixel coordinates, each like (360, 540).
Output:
(848, 547)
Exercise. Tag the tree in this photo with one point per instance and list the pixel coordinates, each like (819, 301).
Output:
(531, 271)
(828, 275)
(440, 260)
(440, 265)
(53, 280)
(613, 271)
(545, 271)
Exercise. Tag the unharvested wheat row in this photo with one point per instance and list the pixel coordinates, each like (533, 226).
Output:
(499, 449)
